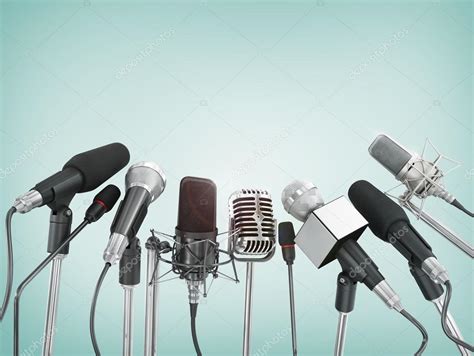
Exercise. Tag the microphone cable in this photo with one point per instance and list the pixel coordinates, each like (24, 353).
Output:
(193, 309)
(93, 307)
(461, 207)
(30, 277)
(8, 288)
(420, 327)
(444, 318)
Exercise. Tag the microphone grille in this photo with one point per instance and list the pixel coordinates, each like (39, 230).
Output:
(252, 222)
(389, 154)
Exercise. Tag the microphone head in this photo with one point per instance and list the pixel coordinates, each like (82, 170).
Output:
(300, 198)
(379, 210)
(252, 227)
(99, 164)
(286, 233)
(390, 154)
(197, 205)
(147, 175)
(108, 196)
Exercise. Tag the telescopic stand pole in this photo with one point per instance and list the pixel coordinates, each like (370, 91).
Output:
(248, 309)
(151, 296)
(129, 278)
(345, 299)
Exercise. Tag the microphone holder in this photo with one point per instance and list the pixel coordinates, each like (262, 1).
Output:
(433, 292)
(59, 230)
(129, 278)
(345, 300)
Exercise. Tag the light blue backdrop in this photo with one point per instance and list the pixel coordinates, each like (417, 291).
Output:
(250, 95)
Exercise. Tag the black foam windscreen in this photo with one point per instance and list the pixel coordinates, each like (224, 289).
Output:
(286, 233)
(379, 210)
(99, 164)
(197, 205)
(108, 196)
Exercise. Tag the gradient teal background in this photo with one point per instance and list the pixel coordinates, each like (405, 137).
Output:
(250, 94)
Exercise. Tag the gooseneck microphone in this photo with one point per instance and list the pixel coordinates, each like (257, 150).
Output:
(389, 222)
(103, 202)
(330, 231)
(144, 183)
(196, 253)
(286, 238)
(252, 234)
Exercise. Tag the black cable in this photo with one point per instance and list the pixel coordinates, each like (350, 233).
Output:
(8, 288)
(444, 318)
(461, 207)
(93, 306)
(193, 309)
(420, 327)
(29, 278)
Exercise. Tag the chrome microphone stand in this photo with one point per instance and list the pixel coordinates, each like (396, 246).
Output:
(345, 299)
(292, 308)
(151, 296)
(59, 230)
(437, 226)
(129, 278)
(248, 309)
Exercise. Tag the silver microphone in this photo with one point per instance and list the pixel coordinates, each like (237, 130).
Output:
(252, 228)
(145, 181)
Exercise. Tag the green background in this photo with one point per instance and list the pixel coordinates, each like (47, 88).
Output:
(249, 94)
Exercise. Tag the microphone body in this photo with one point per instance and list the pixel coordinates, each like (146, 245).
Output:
(145, 182)
(389, 222)
(82, 173)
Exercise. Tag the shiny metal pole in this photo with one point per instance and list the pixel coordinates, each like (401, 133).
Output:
(292, 309)
(444, 231)
(248, 309)
(452, 326)
(51, 311)
(341, 334)
(127, 320)
(151, 303)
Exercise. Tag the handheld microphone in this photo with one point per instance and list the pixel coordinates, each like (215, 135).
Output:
(252, 228)
(196, 233)
(421, 177)
(330, 231)
(145, 182)
(389, 222)
(82, 173)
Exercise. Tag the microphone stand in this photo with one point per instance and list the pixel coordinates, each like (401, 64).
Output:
(59, 230)
(292, 308)
(151, 296)
(437, 226)
(129, 278)
(248, 309)
(345, 299)
(433, 292)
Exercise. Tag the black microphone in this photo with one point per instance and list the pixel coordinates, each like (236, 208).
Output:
(145, 181)
(82, 173)
(389, 222)
(196, 232)
(286, 238)
(103, 202)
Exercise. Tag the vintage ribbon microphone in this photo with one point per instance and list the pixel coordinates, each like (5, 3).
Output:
(252, 231)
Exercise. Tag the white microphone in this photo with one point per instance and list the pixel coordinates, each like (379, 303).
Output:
(421, 177)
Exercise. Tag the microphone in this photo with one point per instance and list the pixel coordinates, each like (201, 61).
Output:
(144, 182)
(330, 231)
(286, 238)
(421, 177)
(196, 233)
(389, 222)
(82, 173)
(252, 228)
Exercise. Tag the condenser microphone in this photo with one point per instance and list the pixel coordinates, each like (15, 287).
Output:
(421, 177)
(196, 232)
(330, 231)
(144, 182)
(82, 173)
(252, 228)
(389, 222)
